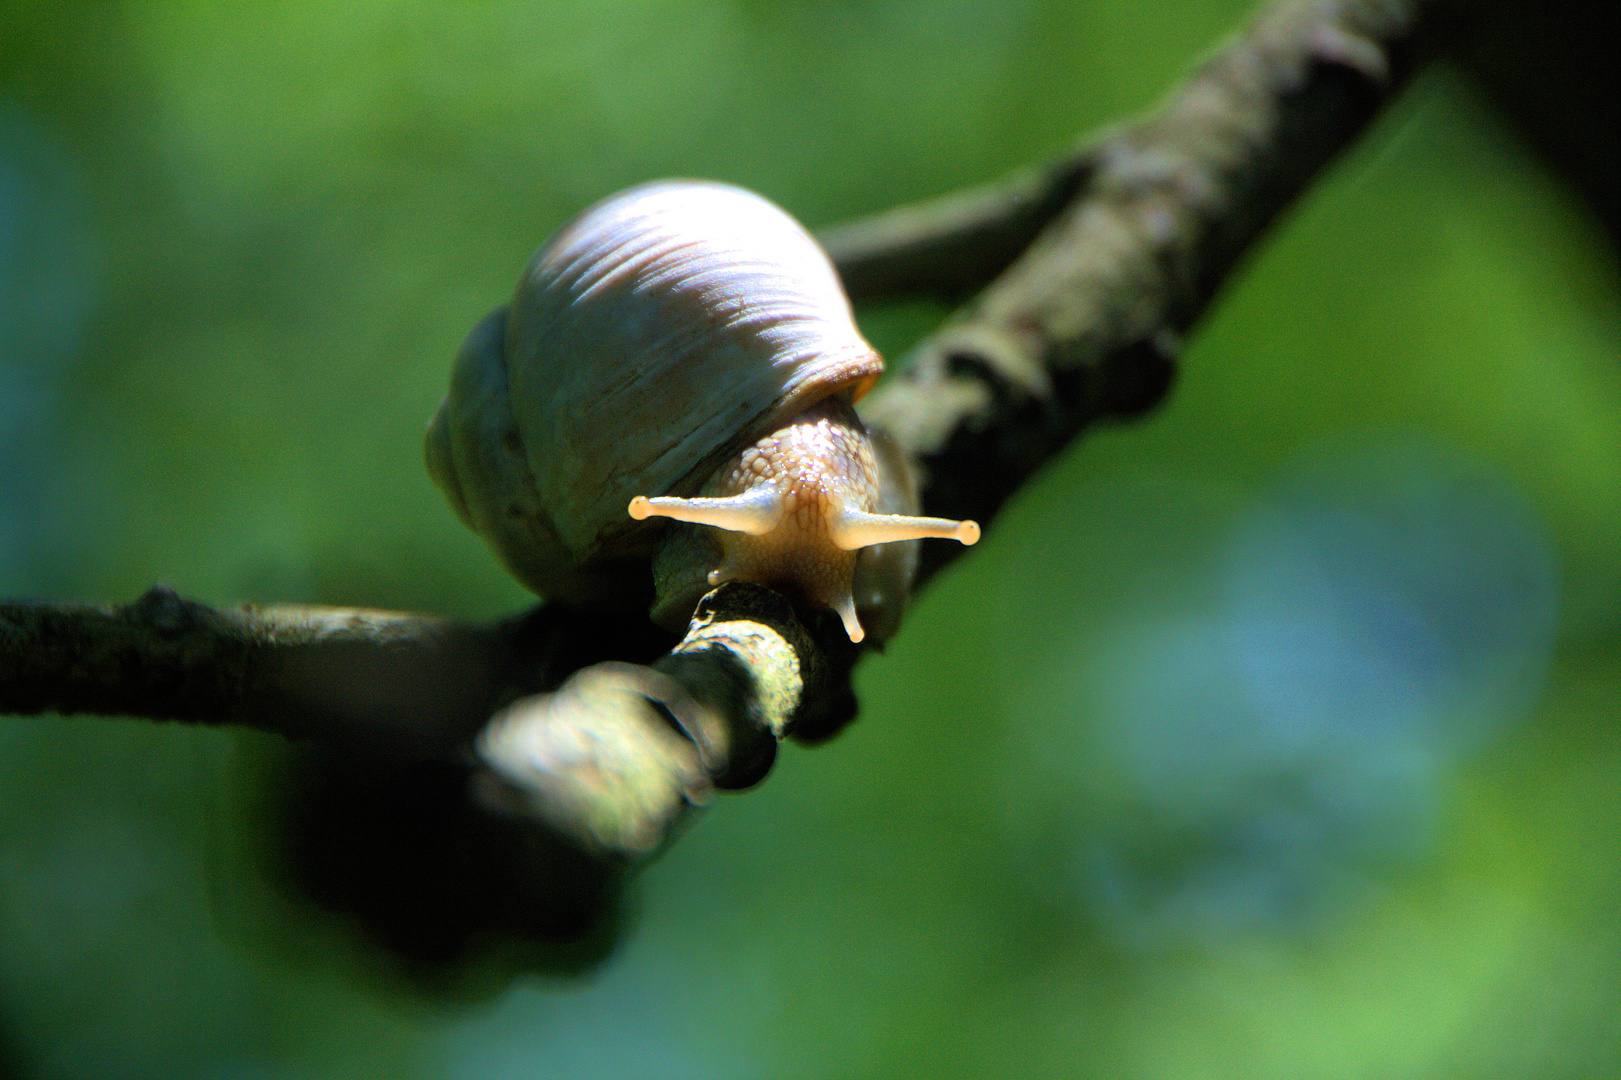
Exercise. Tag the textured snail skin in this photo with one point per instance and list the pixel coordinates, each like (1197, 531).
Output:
(797, 505)
(656, 342)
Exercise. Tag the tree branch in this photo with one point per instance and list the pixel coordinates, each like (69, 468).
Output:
(416, 684)
(618, 754)
(1093, 270)
(612, 759)
(1088, 320)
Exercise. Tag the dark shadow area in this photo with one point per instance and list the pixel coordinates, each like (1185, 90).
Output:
(1555, 71)
(453, 901)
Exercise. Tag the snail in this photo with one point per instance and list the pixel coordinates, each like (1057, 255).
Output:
(682, 350)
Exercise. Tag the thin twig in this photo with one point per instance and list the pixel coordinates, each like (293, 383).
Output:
(950, 248)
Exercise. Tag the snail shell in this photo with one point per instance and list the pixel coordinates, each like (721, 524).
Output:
(656, 342)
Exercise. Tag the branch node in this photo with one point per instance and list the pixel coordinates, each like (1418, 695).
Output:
(161, 608)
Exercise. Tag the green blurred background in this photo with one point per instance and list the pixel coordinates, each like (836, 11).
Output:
(1274, 735)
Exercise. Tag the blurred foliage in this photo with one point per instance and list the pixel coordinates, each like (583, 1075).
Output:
(1272, 736)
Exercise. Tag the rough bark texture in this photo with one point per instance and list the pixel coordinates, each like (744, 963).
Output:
(415, 684)
(1124, 245)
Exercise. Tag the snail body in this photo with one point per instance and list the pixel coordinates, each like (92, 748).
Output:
(681, 350)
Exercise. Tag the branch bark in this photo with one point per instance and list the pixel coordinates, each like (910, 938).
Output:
(415, 684)
(1135, 234)
(1093, 269)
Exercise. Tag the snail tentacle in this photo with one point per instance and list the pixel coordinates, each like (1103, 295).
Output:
(854, 529)
(756, 511)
